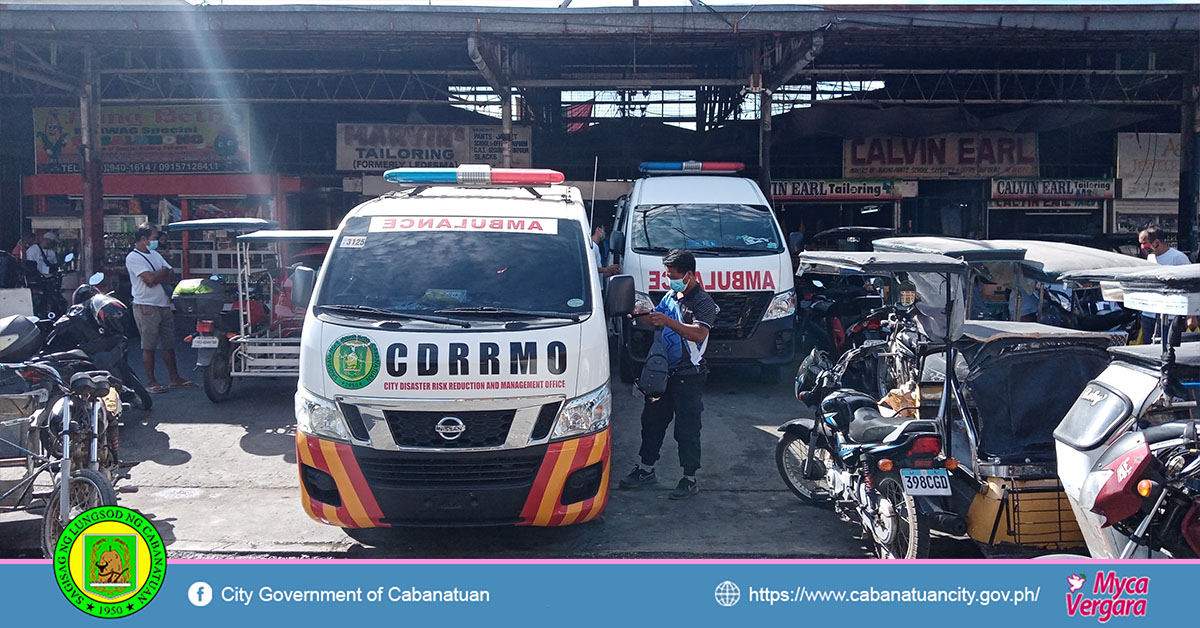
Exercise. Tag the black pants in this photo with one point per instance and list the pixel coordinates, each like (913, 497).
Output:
(681, 402)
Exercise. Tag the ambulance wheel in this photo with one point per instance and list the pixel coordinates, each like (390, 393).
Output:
(218, 378)
(626, 367)
(374, 537)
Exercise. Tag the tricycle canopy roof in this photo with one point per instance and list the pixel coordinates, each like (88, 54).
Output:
(302, 236)
(876, 263)
(970, 251)
(239, 225)
(1049, 261)
(1157, 289)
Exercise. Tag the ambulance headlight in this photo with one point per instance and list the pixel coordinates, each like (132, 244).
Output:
(784, 304)
(319, 417)
(584, 414)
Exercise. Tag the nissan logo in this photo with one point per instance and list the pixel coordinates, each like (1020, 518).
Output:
(450, 427)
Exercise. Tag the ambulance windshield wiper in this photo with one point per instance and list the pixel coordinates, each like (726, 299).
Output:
(381, 313)
(510, 311)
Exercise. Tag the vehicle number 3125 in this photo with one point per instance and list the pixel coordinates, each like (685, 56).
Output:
(926, 481)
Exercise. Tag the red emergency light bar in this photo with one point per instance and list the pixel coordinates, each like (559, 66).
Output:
(475, 175)
(678, 167)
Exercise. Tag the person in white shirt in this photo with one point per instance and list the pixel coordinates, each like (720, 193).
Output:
(148, 274)
(1157, 251)
(43, 253)
(1150, 240)
(598, 257)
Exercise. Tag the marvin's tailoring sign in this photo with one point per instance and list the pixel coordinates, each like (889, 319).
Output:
(379, 147)
(835, 190)
(947, 156)
(146, 140)
(1057, 189)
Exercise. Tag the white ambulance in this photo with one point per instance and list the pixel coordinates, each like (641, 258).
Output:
(742, 261)
(454, 364)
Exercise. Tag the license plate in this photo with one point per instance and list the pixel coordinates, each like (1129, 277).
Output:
(205, 342)
(926, 481)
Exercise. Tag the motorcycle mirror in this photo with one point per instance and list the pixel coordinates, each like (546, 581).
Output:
(818, 283)
(96, 279)
(69, 258)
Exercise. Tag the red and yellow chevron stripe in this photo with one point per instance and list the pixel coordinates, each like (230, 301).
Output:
(358, 509)
(544, 507)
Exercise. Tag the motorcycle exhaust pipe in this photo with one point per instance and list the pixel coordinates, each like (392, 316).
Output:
(949, 523)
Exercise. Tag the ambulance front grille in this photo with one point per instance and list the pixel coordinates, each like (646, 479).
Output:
(449, 470)
(739, 315)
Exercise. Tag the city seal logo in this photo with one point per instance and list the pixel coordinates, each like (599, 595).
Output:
(110, 562)
(352, 362)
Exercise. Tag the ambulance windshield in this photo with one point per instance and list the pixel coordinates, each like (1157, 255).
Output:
(462, 264)
(718, 229)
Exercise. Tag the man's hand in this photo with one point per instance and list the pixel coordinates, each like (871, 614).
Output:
(658, 319)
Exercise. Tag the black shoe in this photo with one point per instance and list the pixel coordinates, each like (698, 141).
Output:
(685, 489)
(638, 478)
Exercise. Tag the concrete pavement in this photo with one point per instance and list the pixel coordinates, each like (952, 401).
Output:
(221, 480)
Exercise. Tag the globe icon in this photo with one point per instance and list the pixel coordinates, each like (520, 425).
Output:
(728, 593)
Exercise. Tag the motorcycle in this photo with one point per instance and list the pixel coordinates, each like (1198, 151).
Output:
(1127, 447)
(97, 324)
(878, 471)
(76, 437)
(46, 290)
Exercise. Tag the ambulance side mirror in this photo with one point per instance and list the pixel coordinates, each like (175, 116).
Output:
(619, 299)
(303, 280)
(616, 242)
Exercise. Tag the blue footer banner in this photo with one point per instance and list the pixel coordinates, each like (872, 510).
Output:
(112, 582)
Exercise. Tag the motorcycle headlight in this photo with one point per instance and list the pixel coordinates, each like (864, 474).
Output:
(584, 414)
(1091, 488)
(784, 304)
(320, 417)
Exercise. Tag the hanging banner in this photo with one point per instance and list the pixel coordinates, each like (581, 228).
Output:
(835, 190)
(1148, 165)
(146, 139)
(1091, 189)
(946, 156)
(379, 147)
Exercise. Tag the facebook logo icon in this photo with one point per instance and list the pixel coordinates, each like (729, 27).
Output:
(200, 594)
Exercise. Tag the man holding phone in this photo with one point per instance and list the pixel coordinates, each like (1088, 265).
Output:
(686, 313)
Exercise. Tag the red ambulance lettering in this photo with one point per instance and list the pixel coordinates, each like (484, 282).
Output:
(389, 224)
(405, 223)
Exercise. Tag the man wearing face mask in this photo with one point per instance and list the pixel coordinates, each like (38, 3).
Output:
(686, 314)
(148, 276)
(1151, 242)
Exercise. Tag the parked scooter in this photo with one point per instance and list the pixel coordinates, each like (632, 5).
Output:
(46, 290)
(877, 470)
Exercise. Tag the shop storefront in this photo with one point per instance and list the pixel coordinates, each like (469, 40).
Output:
(1019, 207)
(1148, 169)
(953, 170)
(813, 205)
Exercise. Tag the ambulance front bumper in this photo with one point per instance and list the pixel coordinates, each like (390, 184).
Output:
(552, 484)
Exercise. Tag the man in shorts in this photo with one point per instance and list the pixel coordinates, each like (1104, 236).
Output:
(148, 274)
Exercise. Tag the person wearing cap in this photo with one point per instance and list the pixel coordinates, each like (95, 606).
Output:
(43, 253)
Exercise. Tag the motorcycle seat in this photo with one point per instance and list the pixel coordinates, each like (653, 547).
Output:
(869, 426)
(73, 354)
(1170, 431)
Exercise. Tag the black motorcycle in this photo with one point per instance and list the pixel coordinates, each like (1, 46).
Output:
(883, 473)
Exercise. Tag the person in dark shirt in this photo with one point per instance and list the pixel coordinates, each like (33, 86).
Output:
(686, 314)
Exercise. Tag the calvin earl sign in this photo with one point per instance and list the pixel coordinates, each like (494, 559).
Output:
(947, 156)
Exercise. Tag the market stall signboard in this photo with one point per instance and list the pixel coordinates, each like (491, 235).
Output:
(946, 156)
(184, 139)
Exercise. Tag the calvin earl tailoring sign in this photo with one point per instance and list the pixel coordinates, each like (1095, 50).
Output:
(947, 156)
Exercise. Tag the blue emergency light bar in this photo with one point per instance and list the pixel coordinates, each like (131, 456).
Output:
(712, 167)
(473, 174)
